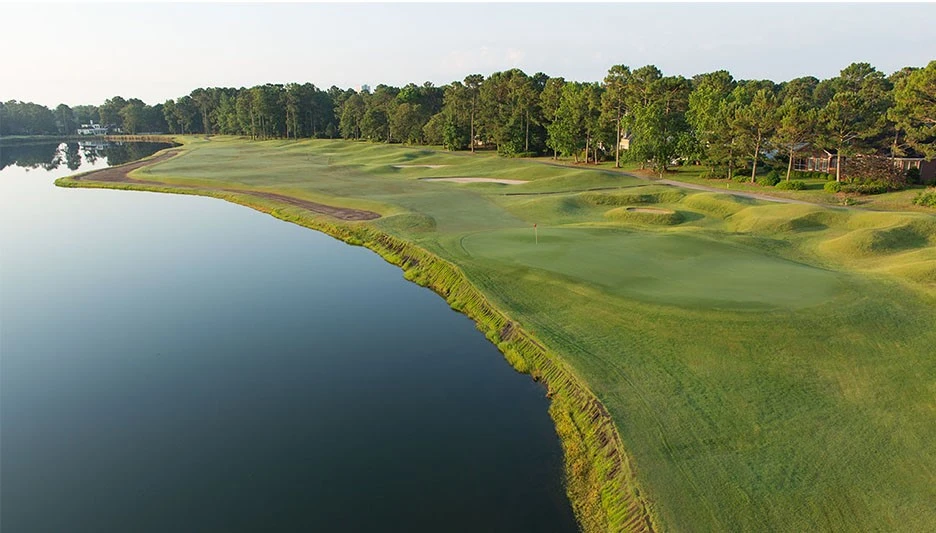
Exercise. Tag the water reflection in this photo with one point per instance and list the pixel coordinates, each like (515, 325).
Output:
(71, 155)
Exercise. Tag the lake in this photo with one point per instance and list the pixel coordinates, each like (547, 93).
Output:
(176, 363)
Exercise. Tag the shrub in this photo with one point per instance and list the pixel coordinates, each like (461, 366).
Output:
(767, 181)
(711, 174)
(867, 187)
(832, 187)
(741, 178)
(801, 175)
(913, 175)
(770, 179)
(793, 185)
(875, 170)
(717, 173)
(926, 198)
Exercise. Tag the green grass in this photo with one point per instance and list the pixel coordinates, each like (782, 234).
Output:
(767, 366)
(679, 269)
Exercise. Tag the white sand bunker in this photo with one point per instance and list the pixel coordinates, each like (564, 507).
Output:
(478, 180)
(419, 166)
(654, 210)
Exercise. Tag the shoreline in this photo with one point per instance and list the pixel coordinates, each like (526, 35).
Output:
(599, 475)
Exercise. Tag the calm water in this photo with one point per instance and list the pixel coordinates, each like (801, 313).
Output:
(174, 363)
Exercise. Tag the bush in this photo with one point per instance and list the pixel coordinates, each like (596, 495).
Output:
(770, 179)
(832, 187)
(801, 175)
(871, 172)
(793, 185)
(811, 175)
(913, 176)
(741, 178)
(926, 198)
(867, 187)
(717, 173)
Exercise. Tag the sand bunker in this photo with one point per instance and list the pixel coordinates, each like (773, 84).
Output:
(478, 180)
(654, 210)
(419, 166)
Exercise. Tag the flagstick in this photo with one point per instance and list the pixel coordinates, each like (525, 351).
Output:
(535, 234)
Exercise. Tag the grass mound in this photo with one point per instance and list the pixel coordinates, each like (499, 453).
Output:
(645, 215)
(559, 209)
(878, 234)
(719, 205)
(784, 218)
(407, 223)
(640, 195)
(672, 268)
(875, 241)
(918, 271)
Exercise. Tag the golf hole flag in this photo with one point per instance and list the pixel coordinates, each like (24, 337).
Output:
(535, 234)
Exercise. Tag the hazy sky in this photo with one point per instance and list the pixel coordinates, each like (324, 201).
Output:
(87, 53)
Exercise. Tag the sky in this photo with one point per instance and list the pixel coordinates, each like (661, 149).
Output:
(86, 53)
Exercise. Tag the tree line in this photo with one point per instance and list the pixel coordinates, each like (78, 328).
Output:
(640, 115)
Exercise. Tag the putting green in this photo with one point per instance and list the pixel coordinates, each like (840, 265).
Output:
(685, 270)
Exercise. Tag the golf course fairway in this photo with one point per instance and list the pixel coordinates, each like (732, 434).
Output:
(715, 363)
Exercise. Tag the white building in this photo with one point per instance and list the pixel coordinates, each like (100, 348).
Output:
(92, 129)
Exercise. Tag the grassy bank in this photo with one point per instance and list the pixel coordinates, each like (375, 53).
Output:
(764, 366)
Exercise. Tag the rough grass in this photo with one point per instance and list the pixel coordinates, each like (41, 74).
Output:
(767, 367)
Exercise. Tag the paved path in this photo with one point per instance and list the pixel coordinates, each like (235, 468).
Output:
(754, 195)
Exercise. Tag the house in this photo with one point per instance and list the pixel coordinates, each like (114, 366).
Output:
(815, 161)
(92, 129)
(927, 168)
(625, 140)
(826, 161)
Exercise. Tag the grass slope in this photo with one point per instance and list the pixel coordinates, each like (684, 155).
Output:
(768, 366)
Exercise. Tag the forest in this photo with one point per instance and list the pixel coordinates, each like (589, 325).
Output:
(731, 126)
